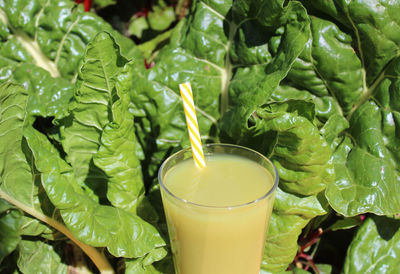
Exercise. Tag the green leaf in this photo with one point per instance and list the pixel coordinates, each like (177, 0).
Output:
(217, 59)
(300, 153)
(253, 85)
(118, 157)
(325, 106)
(41, 40)
(14, 167)
(18, 176)
(52, 34)
(41, 257)
(103, 3)
(10, 225)
(324, 268)
(329, 66)
(346, 223)
(161, 17)
(373, 25)
(375, 247)
(48, 96)
(334, 126)
(127, 235)
(366, 175)
(94, 97)
(350, 65)
(144, 266)
(284, 131)
(289, 217)
(137, 26)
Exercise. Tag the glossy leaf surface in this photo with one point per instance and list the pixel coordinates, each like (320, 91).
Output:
(375, 248)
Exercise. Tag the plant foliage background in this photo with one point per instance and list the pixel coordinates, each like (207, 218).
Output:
(89, 108)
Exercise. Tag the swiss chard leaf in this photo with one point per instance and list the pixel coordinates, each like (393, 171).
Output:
(19, 179)
(94, 97)
(350, 63)
(127, 235)
(10, 225)
(144, 265)
(99, 136)
(41, 257)
(316, 90)
(375, 247)
(48, 96)
(14, 167)
(366, 165)
(290, 215)
(87, 219)
(42, 44)
(374, 27)
(300, 153)
(328, 66)
(52, 34)
(119, 156)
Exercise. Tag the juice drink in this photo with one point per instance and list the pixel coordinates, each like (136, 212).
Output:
(218, 216)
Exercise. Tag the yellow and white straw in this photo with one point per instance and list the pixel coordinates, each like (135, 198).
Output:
(192, 125)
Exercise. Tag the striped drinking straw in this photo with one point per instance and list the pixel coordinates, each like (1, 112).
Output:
(192, 125)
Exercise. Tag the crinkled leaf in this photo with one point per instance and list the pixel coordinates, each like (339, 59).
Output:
(261, 68)
(14, 167)
(118, 158)
(48, 96)
(95, 94)
(335, 125)
(300, 153)
(329, 66)
(367, 175)
(375, 247)
(371, 183)
(45, 39)
(351, 63)
(126, 235)
(374, 26)
(41, 257)
(290, 215)
(325, 106)
(18, 178)
(53, 33)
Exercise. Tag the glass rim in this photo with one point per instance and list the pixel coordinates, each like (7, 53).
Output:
(184, 150)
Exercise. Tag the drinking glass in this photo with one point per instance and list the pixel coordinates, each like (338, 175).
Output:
(218, 239)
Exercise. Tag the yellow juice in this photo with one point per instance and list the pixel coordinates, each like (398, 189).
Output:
(219, 216)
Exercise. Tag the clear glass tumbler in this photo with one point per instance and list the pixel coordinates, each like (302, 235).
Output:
(218, 239)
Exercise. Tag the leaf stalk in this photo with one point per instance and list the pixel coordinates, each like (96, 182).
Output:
(97, 257)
